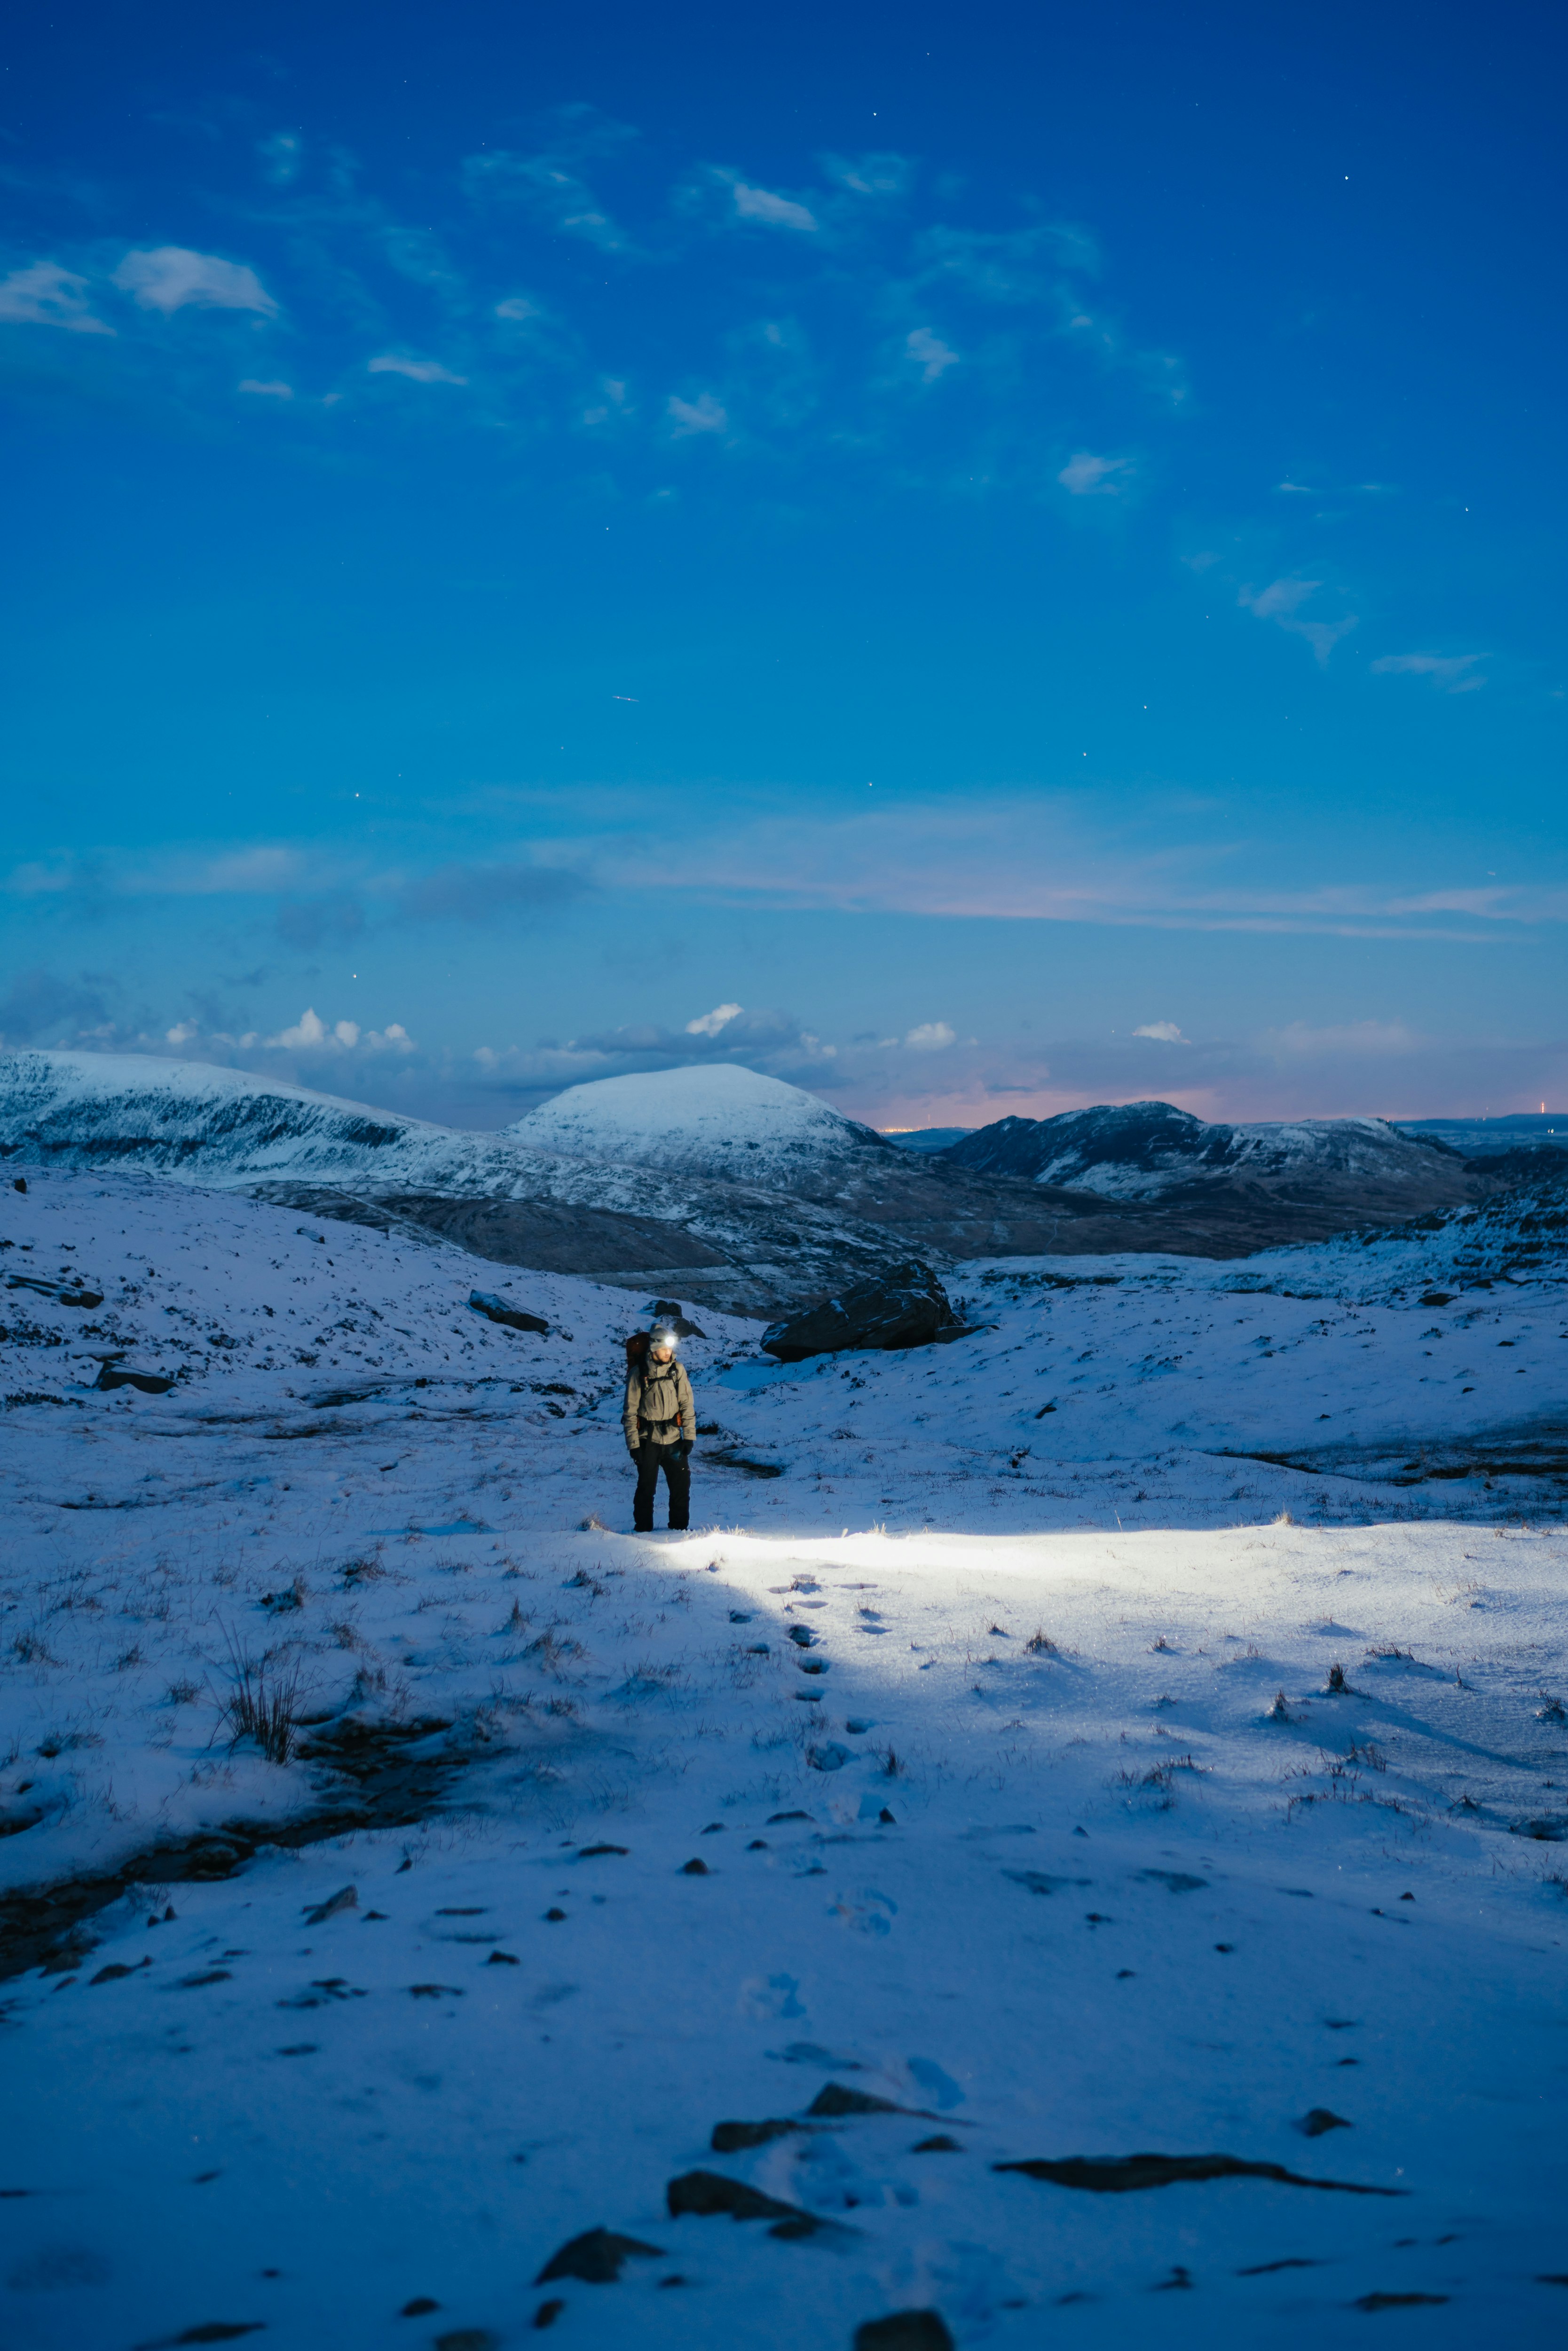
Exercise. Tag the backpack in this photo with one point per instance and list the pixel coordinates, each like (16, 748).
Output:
(636, 1351)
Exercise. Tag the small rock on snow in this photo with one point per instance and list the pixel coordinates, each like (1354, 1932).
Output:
(596, 2257)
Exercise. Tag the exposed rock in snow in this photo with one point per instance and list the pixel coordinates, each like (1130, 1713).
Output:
(906, 1307)
(506, 1311)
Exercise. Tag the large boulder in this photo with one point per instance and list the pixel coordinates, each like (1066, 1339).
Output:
(501, 1310)
(906, 1307)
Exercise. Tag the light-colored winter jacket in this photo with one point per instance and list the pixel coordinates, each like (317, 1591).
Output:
(659, 1402)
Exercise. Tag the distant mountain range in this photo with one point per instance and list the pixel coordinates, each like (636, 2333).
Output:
(1486, 1138)
(733, 1189)
(1151, 1151)
(1473, 1138)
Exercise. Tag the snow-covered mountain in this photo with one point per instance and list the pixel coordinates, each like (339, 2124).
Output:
(721, 1120)
(225, 1128)
(206, 1125)
(752, 1195)
(774, 1235)
(1150, 1150)
(820, 1199)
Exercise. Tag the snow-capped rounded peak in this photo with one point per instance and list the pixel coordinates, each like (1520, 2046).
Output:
(716, 1119)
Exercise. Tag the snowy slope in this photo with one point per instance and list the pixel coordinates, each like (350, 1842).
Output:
(193, 1121)
(1145, 1151)
(1005, 1738)
(235, 1299)
(720, 1121)
(217, 1126)
(226, 1130)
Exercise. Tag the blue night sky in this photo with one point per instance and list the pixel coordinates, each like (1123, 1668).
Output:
(978, 559)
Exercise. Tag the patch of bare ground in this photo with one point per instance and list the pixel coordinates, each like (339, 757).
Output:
(369, 1775)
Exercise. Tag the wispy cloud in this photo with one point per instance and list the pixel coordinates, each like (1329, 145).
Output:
(708, 1024)
(1040, 270)
(931, 1037)
(171, 278)
(550, 184)
(45, 295)
(1300, 1040)
(281, 157)
(1085, 476)
(38, 1005)
(258, 872)
(1165, 1032)
(1054, 858)
(883, 176)
(811, 379)
(725, 199)
(416, 370)
(309, 923)
(1450, 672)
(36, 880)
(461, 893)
(1015, 267)
(1281, 602)
(704, 414)
(773, 211)
(930, 354)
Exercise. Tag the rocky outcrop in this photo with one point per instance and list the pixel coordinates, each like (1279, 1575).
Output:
(500, 1310)
(906, 1307)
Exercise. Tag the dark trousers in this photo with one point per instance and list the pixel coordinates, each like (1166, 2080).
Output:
(650, 1460)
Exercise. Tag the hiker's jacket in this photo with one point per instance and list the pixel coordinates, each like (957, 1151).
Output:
(659, 1404)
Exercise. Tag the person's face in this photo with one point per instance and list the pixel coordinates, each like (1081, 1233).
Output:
(662, 1355)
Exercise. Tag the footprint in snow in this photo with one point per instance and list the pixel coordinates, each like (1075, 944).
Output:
(866, 1912)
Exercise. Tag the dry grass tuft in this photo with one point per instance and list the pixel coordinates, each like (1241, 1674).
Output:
(262, 1705)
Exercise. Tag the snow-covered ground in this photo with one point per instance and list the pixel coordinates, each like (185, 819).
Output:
(1001, 1719)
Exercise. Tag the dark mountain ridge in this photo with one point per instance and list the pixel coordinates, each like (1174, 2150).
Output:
(1347, 1170)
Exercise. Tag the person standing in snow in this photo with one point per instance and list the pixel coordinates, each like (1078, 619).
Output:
(660, 1420)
